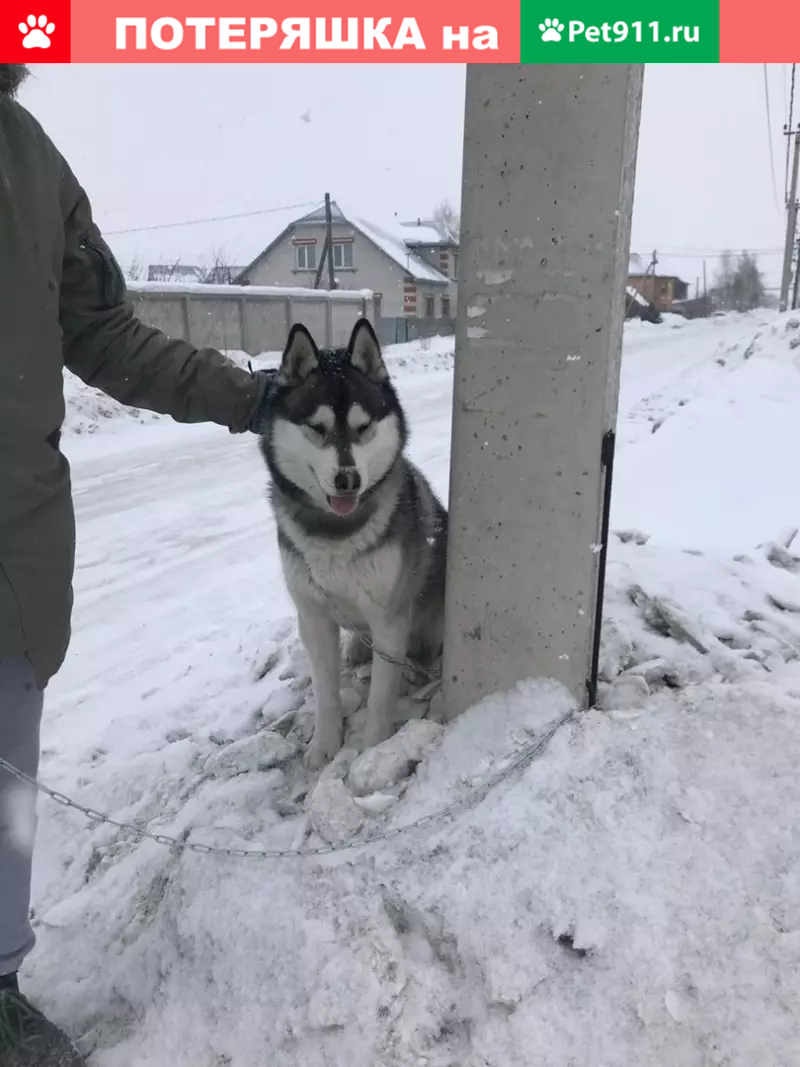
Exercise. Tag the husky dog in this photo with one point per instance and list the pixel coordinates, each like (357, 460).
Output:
(362, 536)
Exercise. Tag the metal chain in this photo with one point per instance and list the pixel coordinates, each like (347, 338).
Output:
(404, 664)
(525, 756)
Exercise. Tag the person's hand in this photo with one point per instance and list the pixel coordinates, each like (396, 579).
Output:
(260, 421)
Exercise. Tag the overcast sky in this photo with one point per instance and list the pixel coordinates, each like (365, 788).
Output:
(160, 144)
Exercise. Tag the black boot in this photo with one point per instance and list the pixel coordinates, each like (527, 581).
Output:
(27, 1038)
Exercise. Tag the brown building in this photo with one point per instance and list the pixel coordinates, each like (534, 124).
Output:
(662, 290)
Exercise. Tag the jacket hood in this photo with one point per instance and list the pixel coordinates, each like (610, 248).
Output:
(12, 75)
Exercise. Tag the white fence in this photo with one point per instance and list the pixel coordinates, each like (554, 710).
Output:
(247, 318)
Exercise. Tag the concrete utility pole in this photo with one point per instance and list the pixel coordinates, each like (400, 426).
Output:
(791, 224)
(549, 163)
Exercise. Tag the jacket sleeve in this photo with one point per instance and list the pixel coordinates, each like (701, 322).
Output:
(109, 348)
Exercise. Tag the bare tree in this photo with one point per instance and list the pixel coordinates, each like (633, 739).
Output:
(221, 271)
(446, 216)
(136, 270)
(168, 271)
(750, 289)
(722, 286)
(738, 283)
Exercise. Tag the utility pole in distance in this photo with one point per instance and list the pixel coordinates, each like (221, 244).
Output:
(329, 240)
(549, 163)
(327, 248)
(791, 223)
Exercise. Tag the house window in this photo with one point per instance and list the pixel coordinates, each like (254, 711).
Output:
(306, 256)
(445, 307)
(342, 254)
(430, 310)
(455, 264)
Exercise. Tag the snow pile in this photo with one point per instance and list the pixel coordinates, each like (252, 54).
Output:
(734, 618)
(89, 411)
(629, 896)
(415, 357)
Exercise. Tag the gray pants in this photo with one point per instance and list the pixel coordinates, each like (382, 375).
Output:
(20, 719)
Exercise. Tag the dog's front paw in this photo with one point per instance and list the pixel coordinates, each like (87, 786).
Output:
(323, 747)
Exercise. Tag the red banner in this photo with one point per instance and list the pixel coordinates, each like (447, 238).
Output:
(205, 31)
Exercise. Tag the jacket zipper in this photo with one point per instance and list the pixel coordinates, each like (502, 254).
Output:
(107, 266)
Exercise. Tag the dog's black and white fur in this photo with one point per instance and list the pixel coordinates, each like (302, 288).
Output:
(361, 534)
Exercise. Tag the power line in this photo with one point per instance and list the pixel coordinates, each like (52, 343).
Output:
(213, 218)
(710, 252)
(769, 139)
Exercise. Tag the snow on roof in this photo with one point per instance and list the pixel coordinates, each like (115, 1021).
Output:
(391, 243)
(425, 232)
(396, 250)
(634, 294)
(318, 215)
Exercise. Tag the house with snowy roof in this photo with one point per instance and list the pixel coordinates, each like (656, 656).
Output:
(411, 267)
(659, 291)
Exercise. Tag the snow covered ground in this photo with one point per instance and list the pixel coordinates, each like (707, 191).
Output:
(630, 896)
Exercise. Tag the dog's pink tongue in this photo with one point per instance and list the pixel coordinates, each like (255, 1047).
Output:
(344, 505)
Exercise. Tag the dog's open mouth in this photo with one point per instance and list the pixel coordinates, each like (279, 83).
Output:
(343, 503)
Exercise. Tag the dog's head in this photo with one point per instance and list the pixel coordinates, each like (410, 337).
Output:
(337, 427)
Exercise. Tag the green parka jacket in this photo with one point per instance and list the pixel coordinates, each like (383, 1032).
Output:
(62, 303)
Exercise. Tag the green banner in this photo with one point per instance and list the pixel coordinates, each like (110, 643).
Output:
(619, 31)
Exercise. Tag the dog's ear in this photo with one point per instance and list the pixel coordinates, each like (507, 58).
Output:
(300, 357)
(365, 352)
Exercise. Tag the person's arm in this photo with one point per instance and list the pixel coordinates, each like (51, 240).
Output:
(109, 348)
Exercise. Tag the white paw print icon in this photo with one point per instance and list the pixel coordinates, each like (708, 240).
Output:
(551, 29)
(36, 32)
